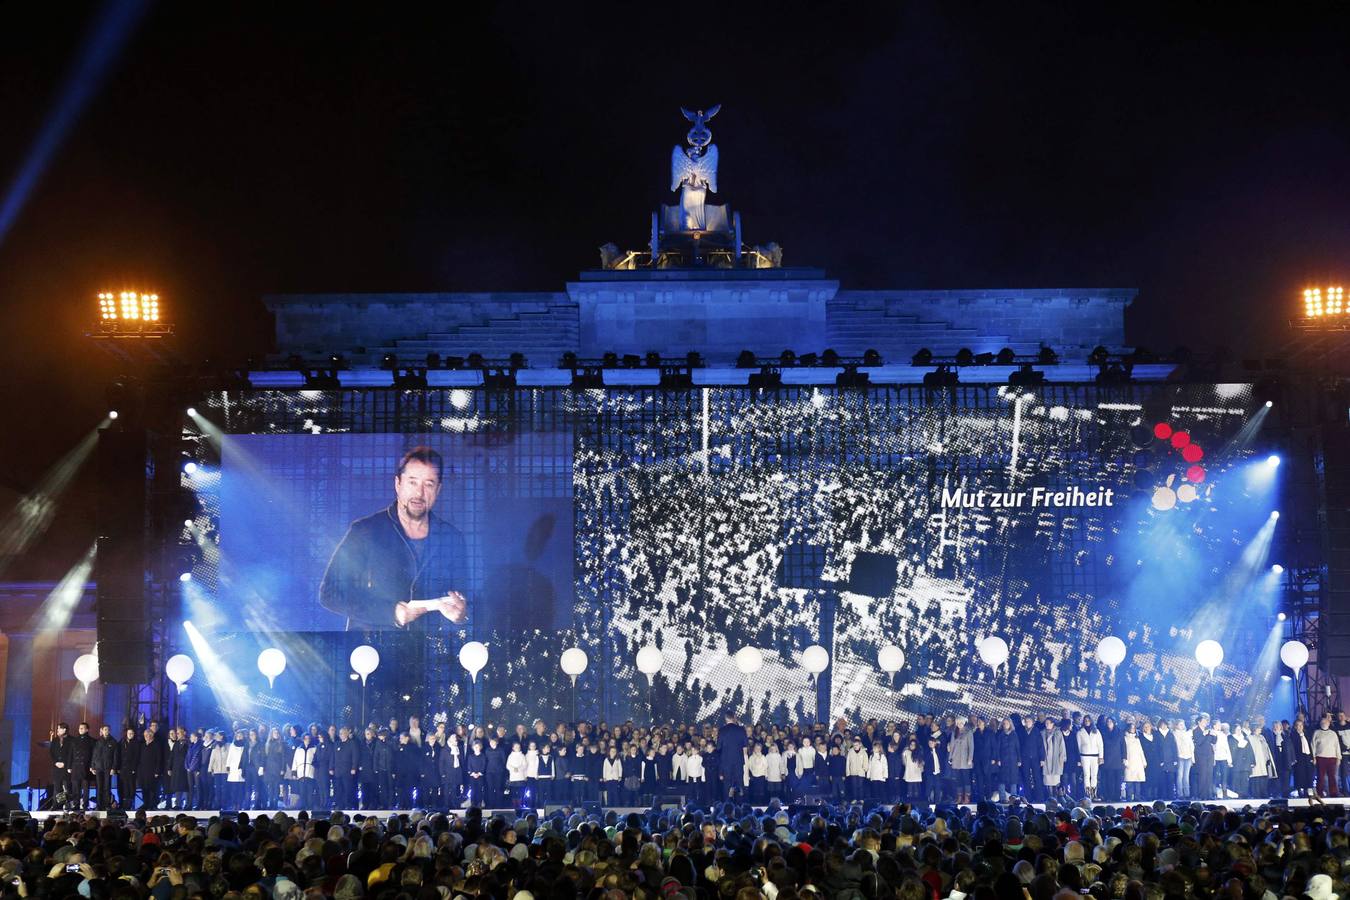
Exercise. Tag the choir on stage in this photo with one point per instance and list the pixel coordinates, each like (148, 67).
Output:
(951, 759)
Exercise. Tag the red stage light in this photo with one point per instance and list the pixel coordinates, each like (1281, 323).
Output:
(1180, 439)
(1162, 431)
(1196, 474)
(1192, 453)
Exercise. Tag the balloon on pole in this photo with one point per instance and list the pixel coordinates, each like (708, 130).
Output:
(815, 659)
(993, 651)
(890, 659)
(180, 669)
(749, 660)
(1209, 654)
(1294, 654)
(86, 669)
(1111, 651)
(473, 656)
(573, 662)
(649, 660)
(271, 662)
(365, 659)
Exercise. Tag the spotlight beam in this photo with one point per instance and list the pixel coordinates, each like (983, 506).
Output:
(100, 49)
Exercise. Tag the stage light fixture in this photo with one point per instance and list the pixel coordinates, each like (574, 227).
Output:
(871, 358)
(1281, 617)
(1277, 569)
(1325, 302)
(112, 414)
(185, 577)
(1269, 404)
(192, 411)
(940, 378)
(1275, 514)
(923, 358)
(189, 467)
(1026, 376)
(1273, 460)
(745, 360)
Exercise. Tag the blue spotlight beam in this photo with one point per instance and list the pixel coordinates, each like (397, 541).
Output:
(100, 49)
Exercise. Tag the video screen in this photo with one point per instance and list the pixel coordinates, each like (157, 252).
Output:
(380, 531)
(707, 522)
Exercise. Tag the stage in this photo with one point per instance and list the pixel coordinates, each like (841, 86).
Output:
(205, 815)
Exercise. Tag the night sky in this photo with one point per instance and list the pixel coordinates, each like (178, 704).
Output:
(1204, 160)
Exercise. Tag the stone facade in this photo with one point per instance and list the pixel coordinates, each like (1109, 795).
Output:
(717, 312)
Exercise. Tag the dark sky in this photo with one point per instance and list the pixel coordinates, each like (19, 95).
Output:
(1203, 158)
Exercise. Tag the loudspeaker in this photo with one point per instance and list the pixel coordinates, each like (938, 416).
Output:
(1333, 653)
(119, 566)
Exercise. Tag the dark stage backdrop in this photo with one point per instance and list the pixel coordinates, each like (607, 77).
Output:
(710, 520)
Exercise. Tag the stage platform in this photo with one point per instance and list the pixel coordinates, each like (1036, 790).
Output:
(203, 815)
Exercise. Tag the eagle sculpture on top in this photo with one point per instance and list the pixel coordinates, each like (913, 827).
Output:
(693, 169)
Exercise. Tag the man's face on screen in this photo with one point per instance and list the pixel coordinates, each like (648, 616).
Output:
(417, 489)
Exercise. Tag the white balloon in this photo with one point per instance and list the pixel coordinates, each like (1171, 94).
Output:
(473, 656)
(649, 660)
(180, 669)
(573, 662)
(1111, 651)
(86, 669)
(1209, 654)
(749, 660)
(271, 662)
(364, 659)
(890, 659)
(815, 659)
(993, 651)
(1294, 654)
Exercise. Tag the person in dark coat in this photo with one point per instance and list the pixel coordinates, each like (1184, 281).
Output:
(475, 774)
(179, 784)
(986, 753)
(494, 776)
(1071, 782)
(1113, 760)
(1032, 754)
(382, 767)
(1170, 759)
(546, 777)
(59, 752)
(1008, 759)
(450, 768)
(429, 780)
(1277, 738)
(104, 762)
(345, 768)
(81, 773)
(731, 746)
(129, 762)
(323, 772)
(1301, 759)
(1154, 777)
(1204, 759)
(407, 771)
(365, 771)
(150, 770)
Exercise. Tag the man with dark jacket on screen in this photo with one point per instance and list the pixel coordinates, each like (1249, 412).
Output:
(397, 565)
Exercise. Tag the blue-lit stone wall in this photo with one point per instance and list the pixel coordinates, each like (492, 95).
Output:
(718, 313)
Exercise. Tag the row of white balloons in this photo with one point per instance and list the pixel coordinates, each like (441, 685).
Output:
(749, 660)
(1111, 652)
(473, 656)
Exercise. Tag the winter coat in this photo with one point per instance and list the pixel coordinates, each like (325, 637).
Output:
(1052, 771)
